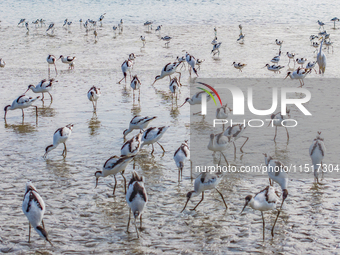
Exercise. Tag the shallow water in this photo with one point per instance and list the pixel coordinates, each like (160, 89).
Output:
(81, 219)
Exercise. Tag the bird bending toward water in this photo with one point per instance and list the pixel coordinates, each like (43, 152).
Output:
(22, 102)
(60, 136)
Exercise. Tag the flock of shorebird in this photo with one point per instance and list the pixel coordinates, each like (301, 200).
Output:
(136, 196)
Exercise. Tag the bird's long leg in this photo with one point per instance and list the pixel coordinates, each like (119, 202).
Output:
(122, 173)
(270, 182)
(42, 98)
(94, 108)
(225, 158)
(179, 174)
(141, 222)
(196, 113)
(42, 222)
(114, 189)
(29, 232)
(55, 68)
(234, 149)
(179, 78)
(36, 110)
(226, 207)
(138, 95)
(23, 115)
(161, 146)
(123, 78)
(152, 149)
(127, 229)
(287, 134)
(136, 228)
(198, 202)
(275, 132)
(50, 96)
(219, 162)
(65, 150)
(49, 72)
(263, 224)
(244, 142)
(182, 172)
(277, 216)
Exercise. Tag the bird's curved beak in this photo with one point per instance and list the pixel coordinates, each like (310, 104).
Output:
(185, 204)
(264, 66)
(270, 123)
(26, 91)
(96, 182)
(182, 104)
(244, 207)
(286, 76)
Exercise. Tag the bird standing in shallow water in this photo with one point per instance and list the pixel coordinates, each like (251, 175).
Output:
(317, 152)
(60, 136)
(138, 122)
(33, 207)
(203, 182)
(22, 102)
(126, 67)
(321, 59)
(68, 60)
(168, 70)
(234, 132)
(181, 155)
(135, 84)
(153, 135)
(265, 200)
(113, 166)
(277, 119)
(42, 87)
(51, 61)
(93, 95)
(132, 146)
(136, 199)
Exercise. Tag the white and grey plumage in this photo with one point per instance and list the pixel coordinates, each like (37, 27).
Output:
(50, 27)
(113, 166)
(199, 63)
(277, 173)
(153, 135)
(276, 59)
(60, 136)
(135, 85)
(239, 66)
(334, 20)
(2, 63)
(277, 119)
(159, 28)
(93, 95)
(138, 122)
(191, 60)
(22, 102)
(136, 199)
(132, 146)
(22, 21)
(174, 87)
(223, 112)
(265, 200)
(321, 24)
(68, 60)
(148, 23)
(204, 181)
(301, 61)
(234, 132)
(219, 143)
(317, 152)
(197, 99)
(168, 70)
(143, 40)
(33, 207)
(279, 43)
(291, 57)
(274, 68)
(310, 66)
(321, 59)
(298, 74)
(216, 49)
(44, 86)
(166, 39)
(51, 60)
(126, 67)
(65, 22)
(181, 155)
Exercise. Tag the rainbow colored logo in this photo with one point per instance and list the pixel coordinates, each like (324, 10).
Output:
(208, 92)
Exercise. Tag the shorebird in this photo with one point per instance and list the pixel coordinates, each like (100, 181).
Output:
(2, 63)
(132, 146)
(101, 19)
(22, 102)
(33, 207)
(153, 135)
(135, 84)
(298, 74)
(204, 181)
(143, 40)
(277, 119)
(215, 31)
(223, 112)
(219, 143)
(265, 200)
(159, 28)
(114, 29)
(213, 42)
(279, 43)
(191, 60)
(182, 61)
(276, 59)
(239, 66)
(310, 66)
(316, 46)
(234, 132)
(301, 61)
(196, 99)
(22, 21)
(27, 27)
(181, 155)
(50, 27)
(216, 49)
(174, 87)
(291, 57)
(241, 35)
(138, 122)
(126, 66)
(317, 152)
(321, 59)
(36, 22)
(65, 22)
(274, 68)
(51, 61)
(93, 95)
(68, 60)
(168, 70)
(166, 39)
(44, 86)
(136, 199)
(95, 35)
(334, 20)
(60, 136)
(120, 26)
(277, 172)
(321, 24)
(329, 44)
(198, 63)
(113, 166)
(148, 23)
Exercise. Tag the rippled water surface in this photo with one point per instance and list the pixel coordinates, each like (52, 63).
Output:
(81, 219)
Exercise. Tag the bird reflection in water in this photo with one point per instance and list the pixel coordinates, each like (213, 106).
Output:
(94, 124)
(46, 111)
(22, 128)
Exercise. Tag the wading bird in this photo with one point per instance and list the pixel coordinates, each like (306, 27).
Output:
(51, 61)
(93, 95)
(219, 143)
(233, 133)
(239, 66)
(138, 122)
(191, 60)
(68, 60)
(135, 84)
(298, 74)
(277, 120)
(181, 155)
(44, 86)
(22, 102)
(60, 136)
(153, 135)
(317, 152)
(126, 67)
(321, 59)
(168, 70)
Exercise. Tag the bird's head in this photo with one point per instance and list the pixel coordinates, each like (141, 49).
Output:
(248, 199)
(97, 175)
(48, 149)
(186, 100)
